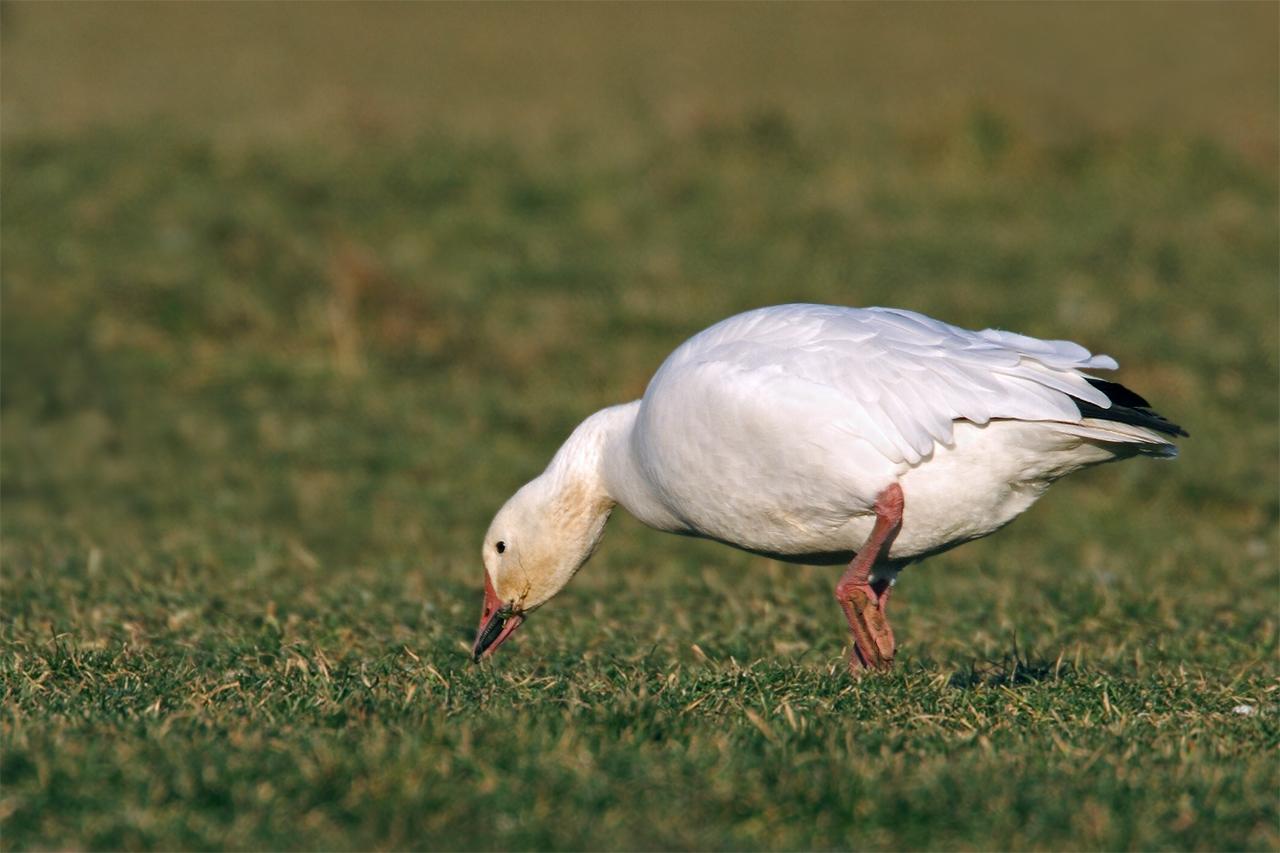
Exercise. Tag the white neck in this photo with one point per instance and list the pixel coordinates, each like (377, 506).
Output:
(598, 462)
(579, 465)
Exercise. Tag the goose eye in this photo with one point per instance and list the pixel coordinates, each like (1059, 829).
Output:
(501, 546)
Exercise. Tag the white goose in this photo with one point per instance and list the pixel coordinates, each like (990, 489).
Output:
(821, 434)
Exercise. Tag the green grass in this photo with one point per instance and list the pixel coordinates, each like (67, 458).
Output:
(261, 397)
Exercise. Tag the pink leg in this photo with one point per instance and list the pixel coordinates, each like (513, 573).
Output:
(864, 602)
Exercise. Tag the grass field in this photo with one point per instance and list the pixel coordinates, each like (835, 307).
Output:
(268, 369)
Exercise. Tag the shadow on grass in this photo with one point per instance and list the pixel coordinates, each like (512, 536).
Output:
(1012, 671)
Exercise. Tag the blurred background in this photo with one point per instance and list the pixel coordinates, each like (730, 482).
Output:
(1058, 71)
(443, 224)
(295, 295)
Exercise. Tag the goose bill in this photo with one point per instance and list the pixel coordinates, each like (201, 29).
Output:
(497, 622)
(495, 633)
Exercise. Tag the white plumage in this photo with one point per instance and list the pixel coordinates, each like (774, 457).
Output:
(896, 379)
(782, 430)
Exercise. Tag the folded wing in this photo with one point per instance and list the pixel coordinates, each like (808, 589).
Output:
(903, 379)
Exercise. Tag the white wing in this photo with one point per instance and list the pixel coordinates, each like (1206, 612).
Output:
(903, 378)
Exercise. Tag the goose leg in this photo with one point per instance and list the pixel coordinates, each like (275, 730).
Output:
(864, 601)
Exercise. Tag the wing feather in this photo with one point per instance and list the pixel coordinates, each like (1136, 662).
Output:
(900, 379)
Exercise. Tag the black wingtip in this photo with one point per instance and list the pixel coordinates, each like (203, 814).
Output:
(1128, 407)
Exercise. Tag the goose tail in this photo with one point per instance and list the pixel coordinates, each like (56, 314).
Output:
(1129, 421)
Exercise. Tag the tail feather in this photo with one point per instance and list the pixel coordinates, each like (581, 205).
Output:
(1123, 439)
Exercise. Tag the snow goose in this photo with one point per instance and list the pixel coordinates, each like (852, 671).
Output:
(824, 435)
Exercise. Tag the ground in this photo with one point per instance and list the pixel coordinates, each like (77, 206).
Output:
(264, 382)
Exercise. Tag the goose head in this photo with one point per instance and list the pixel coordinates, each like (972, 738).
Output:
(534, 546)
